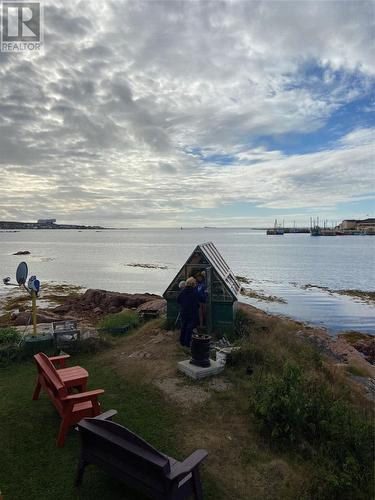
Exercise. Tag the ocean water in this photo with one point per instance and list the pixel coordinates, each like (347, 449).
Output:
(276, 265)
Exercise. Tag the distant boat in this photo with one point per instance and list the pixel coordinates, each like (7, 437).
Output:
(277, 229)
(316, 231)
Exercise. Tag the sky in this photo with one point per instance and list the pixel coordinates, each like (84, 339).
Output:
(191, 113)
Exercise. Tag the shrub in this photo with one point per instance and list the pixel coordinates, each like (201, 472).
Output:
(119, 320)
(9, 335)
(250, 355)
(9, 350)
(303, 413)
(242, 324)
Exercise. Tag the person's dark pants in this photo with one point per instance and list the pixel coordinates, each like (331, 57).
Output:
(202, 313)
(187, 326)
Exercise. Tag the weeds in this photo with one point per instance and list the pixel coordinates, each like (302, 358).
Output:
(302, 412)
(242, 325)
(124, 319)
(9, 335)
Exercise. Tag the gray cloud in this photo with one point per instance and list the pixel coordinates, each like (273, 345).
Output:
(102, 126)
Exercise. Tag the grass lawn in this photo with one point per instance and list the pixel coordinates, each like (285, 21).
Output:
(32, 467)
(176, 415)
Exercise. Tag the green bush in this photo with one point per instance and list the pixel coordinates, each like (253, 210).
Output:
(9, 335)
(119, 320)
(9, 350)
(303, 413)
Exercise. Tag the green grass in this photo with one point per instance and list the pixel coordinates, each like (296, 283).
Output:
(119, 320)
(30, 462)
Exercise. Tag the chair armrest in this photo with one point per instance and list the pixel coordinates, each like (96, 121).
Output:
(60, 360)
(183, 468)
(83, 396)
(107, 415)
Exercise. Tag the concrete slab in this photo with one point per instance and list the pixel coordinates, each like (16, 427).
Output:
(197, 372)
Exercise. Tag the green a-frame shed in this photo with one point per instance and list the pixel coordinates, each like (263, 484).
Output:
(222, 288)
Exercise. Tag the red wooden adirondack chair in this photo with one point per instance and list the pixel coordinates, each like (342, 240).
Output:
(73, 377)
(71, 407)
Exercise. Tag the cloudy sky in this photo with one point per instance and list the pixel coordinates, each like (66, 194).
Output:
(191, 113)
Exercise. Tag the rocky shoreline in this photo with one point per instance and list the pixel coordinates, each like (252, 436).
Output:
(88, 306)
(340, 348)
(91, 305)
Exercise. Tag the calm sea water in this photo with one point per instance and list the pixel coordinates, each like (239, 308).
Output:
(277, 265)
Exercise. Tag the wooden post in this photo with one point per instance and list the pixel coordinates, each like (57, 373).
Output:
(33, 311)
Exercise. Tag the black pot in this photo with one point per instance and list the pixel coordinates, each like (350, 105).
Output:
(200, 350)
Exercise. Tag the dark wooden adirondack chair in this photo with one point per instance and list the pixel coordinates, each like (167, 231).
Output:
(71, 407)
(130, 459)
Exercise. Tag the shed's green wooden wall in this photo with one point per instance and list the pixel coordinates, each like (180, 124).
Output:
(223, 314)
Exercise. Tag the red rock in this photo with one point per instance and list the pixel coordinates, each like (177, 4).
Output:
(107, 302)
(157, 305)
(63, 309)
(23, 318)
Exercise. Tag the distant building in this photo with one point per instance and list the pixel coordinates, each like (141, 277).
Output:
(347, 224)
(46, 222)
(365, 225)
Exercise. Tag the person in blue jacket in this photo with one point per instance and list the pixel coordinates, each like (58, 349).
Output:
(189, 306)
(202, 296)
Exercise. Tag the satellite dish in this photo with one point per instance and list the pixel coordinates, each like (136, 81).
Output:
(21, 273)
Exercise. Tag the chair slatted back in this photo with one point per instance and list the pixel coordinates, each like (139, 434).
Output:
(124, 451)
(50, 379)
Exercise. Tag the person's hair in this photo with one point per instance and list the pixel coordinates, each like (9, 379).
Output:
(191, 281)
(182, 284)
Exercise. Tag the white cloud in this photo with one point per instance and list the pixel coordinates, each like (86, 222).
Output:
(103, 125)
